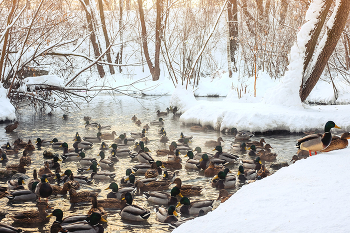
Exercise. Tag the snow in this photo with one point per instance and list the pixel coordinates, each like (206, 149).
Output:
(183, 99)
(308, 196)
(7, 110)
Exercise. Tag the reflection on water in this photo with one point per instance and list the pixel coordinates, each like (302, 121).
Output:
(117, 112)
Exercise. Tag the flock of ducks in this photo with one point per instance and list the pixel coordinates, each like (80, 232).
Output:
(157, 178)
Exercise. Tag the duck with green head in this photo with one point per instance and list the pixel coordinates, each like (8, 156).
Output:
(159, 122)
(119, 151)
(155, 170)
(193, 208)
(191, 163)
(23, 195)
(317, 142)
(104, 162)
(163, 198)
(43, 189)
(117, 192)
(96, 139)
(123, 180)
(56, 144)
(133, 212)
(92, 225)
(228, 157)
(56, 227)
(244, 175)
(100, 175)
(252, 151)
(144, 155)
(224, 181)
(252, 164)
(167, 215)
(16, 184)
(80, 144)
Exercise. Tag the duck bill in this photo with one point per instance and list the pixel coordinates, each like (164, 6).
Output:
(178, 204)
(107, 188)
(175, 213)
(181, 195)
(337, 127)
(127, 179)
(48, 216)
(103, 220)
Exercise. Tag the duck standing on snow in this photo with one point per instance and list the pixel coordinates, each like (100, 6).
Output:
(317, 142)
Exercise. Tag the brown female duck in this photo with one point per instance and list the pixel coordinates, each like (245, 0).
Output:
(187, 190)
(33, 216)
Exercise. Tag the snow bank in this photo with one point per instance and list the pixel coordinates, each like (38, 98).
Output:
(183, 99)
(7, 110)
(304, 197)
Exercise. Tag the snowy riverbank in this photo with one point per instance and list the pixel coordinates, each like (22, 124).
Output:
(308, 196)
(7, 111)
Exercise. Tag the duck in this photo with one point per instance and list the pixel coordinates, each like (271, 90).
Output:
(4, 173)
(70, 156)
(230, 158)
(142, 168)
(121, 139)
(7, 146)
(232, 131)
(23, 195)
(222, 181)
(252, 151)
(204, 162)
(183, 137)
(109, 136)
(211, 170)
(187, 190)
(32, 216)
(9, 229)
(3, 158)
(49, 154)
(243, 135)
(45, 170)
(39, 142)
(103, 127)
(11, 127)
(191, 163)
(213, 143)
(246, 175)
(167, 215)
(112, 203)
(96, 208)
(263, 172)
(69, 177)
(170, 176)
(155, 170)
(132, 212)
(338, 143)
(151, 185)
(82, 144)
(159, 113)
(96, 139)
(124, 181)
(89, 125)
(171, 151)
(104, 146)
(105, 163)
(138, 122)
(144, 156)
(198, 128)
(119, 152)
(25, 158)
(60, 221)
(162, 198)
(54, 163)
(184, 147)
(35, 179)
(199, 153)
(12, 151)
(29, 146)
(134, 118)
(252, 164)
(92, 225)
(19, 167)
(55, 143)
(118, 193)
(100, 175)
(164, 138)
(159, 122)
(174, 161)
(62, 190)
(257, 143)
(267, 156)
(317, 142)
(188, 208)
(84, 161)
(81, 196)
(138, 135)
(224, 195)
(16, 184)
(161, 131)
(241, 147)
(43, 189)
(146, 127)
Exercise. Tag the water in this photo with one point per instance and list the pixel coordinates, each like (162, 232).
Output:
(117, 112)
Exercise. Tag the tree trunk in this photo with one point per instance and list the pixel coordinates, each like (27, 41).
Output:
(283, 14)
(120, 57)
(250, 21)
(158, 39)
(311, 44)
(4, 46)
(233, 32)
(93, 38)
(333, 35)
(104, 29)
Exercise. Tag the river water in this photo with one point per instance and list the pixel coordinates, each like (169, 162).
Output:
(117, 112)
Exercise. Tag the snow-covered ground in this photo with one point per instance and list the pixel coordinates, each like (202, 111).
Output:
(308, 196)
(7, 111)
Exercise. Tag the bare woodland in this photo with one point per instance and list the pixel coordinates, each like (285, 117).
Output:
(181, 38)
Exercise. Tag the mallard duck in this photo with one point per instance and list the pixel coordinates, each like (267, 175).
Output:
(338, 143)
(246, 175)
(43, 189)
(121, 139)
(198, 128)
(69, 177)
(92, 225)
(45, 170)
(162, 198)
(263, 172)
(79, 144)
(40, 143)
(104, 146)
(174, 161)
(252, 164)
(100, 175)
(19, 143)
(108, 136)
(211, 170)
(230, 131)
(134, 118)
(62, 190)
(204, 162)
(184, 147)
(199, 153)
(159, 122)
(96, 139)
(267, 156)
(159, 113)
(54, 163)
(170, 176)
(119, 152)
(161, 131)
(132, 212)
(256, 143)
(193, 208)
(222, 181)
(32, 216)
(166, 215)
(146, 127)
(60, 221)
(82, 196)
(7, 146)
(23, 195)
(95, 208)
(118, 193)
(164, 138)
(56, 144)
(241, 147)
(142, 168)
(183, 137)
(103, 127)
(12, 151)
(171, 151)
(124, 180)
(252, 151)
(69, 156)
(16, 184)
(9, 229)
(243, 136)
(35, 179)
(151, 185)
(213, 143)
(89, 125)
(317, 142)
(155, 170)
(11, 127)
(224, 195)
(138, 135)
(187, 190)
(3, 158)
(144, 156)
(138, 122)
(29, 146)
(105, 163)
(49, 154)
(4, 173)
(230, 158)
(191, 163)
(19, 167)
